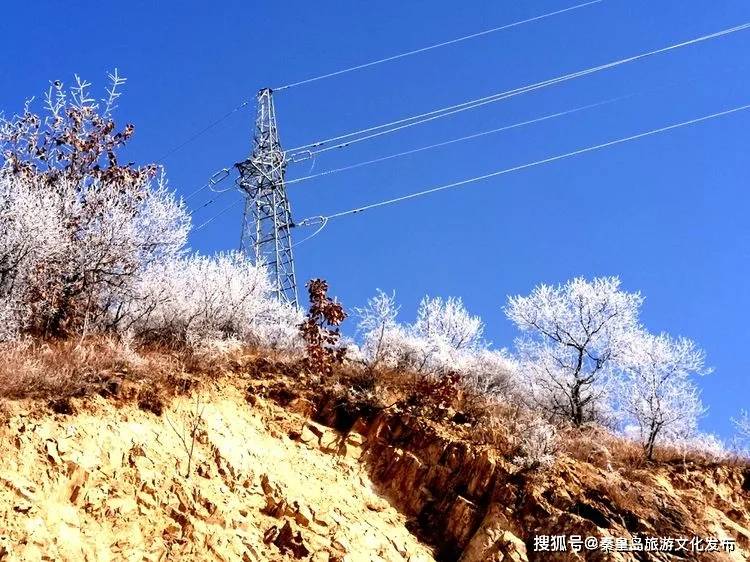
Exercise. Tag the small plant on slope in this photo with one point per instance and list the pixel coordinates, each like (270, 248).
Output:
(320, 330)
(189, 433)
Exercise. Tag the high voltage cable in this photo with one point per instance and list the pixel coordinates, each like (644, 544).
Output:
(460, 139)
(217, 215)
(209, 202)
(323, 219)
(326, 218)
(485, 133)
(435, 46)
(204, 130)
(457, 108)
(210, 126)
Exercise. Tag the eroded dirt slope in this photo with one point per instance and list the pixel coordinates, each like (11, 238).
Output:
(108, 483)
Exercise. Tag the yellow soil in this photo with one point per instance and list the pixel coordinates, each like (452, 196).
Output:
(109, 483)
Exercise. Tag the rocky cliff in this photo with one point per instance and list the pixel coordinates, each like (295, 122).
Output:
(234, 472)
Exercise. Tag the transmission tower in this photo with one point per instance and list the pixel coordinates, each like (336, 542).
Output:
(267, 219)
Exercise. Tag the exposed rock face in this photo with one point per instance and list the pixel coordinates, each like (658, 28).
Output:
(474, 506)
(493, 542)
(267, 483)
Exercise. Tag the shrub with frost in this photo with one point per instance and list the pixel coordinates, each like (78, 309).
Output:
(442, 333)
(742, 432)
(538, 444)
(377, 327)
(386, 342)
(489, 372)
(706, 444)
(277, 326)
(445, 338)
(199, 299)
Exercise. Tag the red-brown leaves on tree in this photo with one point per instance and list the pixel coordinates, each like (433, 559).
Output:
(70, 154)
(320, 329)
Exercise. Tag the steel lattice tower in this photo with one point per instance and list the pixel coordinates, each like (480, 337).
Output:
(267, 220)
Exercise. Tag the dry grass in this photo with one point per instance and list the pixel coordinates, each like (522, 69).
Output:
(599, 447)
(62, 369)
(605, 450)
(56, 371)
(503, 424)
(149, 375)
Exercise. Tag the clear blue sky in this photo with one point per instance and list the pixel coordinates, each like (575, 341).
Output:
(667, 214)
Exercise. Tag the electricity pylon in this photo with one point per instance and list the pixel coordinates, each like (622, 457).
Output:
(267, 220)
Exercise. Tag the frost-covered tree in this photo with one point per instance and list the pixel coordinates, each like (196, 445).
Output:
(30, 235)
(197, 299)
(76, 225)
(448, 324)
(573, 335)
(86, 241)
(377, 325)
(442, 332)
(657, 393)
(445, 338)
(742, 428)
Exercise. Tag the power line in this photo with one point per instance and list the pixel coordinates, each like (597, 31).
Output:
(213, 124)
(323, 223)
(435, 46)
(403, 123)
(322, 220)
(204, 130)
(491, 131)
(209, 202)
(217, 215)
(461, 139)
(326, 218)
(221, 175)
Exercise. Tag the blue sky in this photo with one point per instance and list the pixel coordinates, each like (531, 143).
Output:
(668, 214)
